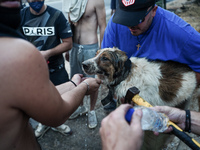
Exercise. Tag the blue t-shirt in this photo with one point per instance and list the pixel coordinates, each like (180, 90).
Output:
(168, 38)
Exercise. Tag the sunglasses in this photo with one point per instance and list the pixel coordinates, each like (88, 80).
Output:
(142, 20)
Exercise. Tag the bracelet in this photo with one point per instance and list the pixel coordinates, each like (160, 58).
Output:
(88, 86)
(188, 121)
(73, 82)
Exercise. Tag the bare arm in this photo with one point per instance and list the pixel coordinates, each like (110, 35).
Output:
(65, 46)
(32, 92)
(101, 17)
(179, 116)
(62, 88)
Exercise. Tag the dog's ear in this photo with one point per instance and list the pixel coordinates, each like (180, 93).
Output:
(122, 55)
(119, 58)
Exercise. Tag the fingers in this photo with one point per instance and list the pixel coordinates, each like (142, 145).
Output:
(169, 129)
(162, 109)
(136, 119)
(122, 109)
(118, 113)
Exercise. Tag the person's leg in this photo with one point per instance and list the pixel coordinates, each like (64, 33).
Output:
(92, 119)
(90, 52)
(76, 67)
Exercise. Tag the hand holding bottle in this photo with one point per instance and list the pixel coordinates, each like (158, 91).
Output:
(116, 133)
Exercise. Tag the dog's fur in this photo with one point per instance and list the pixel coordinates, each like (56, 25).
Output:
(160, 83)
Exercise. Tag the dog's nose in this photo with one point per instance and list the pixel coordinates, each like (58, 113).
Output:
(85, 66)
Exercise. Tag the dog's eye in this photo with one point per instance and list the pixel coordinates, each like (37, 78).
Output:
(104, 58)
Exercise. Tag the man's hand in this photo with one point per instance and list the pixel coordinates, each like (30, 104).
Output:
(117, 134)
(45, 54)
(77, 78)
(93, 85)
(175, 115)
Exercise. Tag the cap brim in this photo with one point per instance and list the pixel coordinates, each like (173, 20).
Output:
(126, 18)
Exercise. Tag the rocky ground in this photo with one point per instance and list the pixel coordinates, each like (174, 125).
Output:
(189, 10)
(84, 138)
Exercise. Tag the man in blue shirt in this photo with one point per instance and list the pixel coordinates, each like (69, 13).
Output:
(143, 29)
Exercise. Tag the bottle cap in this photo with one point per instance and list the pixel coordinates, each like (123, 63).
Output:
(129, 114)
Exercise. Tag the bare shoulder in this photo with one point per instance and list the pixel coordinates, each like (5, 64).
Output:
(92, 5)
(100, 3)
(18, 54)
(14, 49)
(22, 66)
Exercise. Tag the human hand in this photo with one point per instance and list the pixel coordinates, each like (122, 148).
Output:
(116, 133)
(45, 54)
(77, 78)
(93, 85)
(175, 115)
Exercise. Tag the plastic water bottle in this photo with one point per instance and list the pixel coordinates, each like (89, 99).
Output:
(151, 120)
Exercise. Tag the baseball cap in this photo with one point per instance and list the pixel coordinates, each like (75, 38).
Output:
(132, 12)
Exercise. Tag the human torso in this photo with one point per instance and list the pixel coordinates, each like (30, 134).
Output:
(46, 30)
(16, 132)
(86, 28)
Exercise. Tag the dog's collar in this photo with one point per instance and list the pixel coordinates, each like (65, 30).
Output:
(120, 76)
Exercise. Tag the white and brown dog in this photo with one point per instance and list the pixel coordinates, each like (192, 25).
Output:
(160, 83)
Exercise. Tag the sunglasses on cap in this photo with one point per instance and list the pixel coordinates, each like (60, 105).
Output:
(142, 20)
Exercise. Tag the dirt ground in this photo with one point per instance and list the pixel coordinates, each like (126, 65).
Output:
(84, 138)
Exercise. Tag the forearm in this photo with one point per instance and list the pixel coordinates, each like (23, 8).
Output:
(59, 49)
(74, 98)
(65, 87)
(101, 35)
(195, 122)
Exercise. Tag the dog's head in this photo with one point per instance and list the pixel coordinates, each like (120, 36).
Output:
(107, 64)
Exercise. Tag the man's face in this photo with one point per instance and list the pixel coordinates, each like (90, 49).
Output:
(145, 24)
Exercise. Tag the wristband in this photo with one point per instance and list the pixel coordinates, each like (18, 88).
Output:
(188, 121)
(73, 82)
(88, 86)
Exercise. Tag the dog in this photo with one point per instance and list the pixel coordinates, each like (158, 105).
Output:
(160, 83)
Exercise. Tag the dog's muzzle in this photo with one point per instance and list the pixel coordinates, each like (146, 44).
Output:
(88, 67)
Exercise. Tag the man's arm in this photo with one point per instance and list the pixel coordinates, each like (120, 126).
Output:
(101, 17)
(59, 49)
(33, 93)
